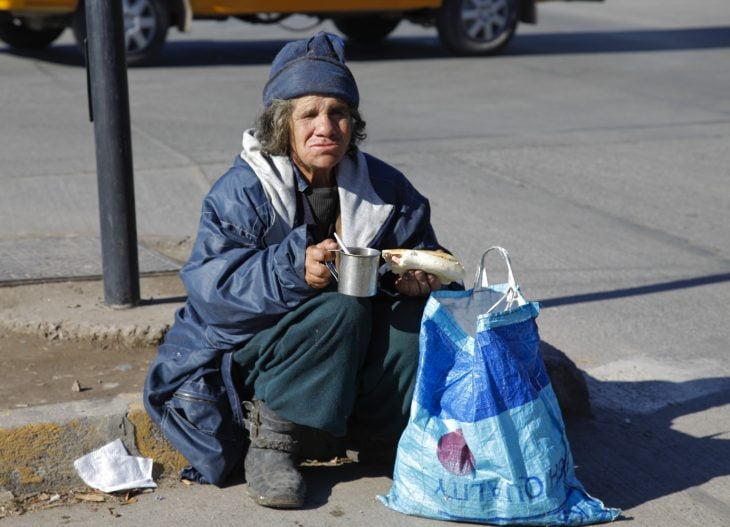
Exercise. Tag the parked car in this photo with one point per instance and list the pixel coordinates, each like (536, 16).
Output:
(467, 27)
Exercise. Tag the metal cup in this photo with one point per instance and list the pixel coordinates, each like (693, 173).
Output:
(357, 274)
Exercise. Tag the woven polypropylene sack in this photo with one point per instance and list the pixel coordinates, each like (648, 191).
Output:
(485, 441)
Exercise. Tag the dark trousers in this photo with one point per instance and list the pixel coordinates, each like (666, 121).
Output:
(338, 363)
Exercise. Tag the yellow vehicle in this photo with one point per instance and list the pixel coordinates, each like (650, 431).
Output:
(468, 27)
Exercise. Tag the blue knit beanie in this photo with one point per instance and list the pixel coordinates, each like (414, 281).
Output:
(312, 67)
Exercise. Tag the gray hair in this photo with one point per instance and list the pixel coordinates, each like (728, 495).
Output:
(272, 128)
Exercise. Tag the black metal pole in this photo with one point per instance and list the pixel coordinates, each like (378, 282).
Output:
(107, 70)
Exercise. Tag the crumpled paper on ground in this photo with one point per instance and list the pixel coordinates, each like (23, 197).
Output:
(111, 468)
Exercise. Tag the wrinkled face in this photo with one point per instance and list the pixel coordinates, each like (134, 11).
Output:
(319, 134)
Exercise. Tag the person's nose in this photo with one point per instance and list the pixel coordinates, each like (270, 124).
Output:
(324, 125)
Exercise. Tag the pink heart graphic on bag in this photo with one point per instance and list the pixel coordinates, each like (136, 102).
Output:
(454, 454)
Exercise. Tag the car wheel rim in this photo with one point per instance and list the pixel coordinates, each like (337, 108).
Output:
(140, 24)
(484, 20)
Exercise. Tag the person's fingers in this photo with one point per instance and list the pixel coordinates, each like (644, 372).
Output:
(413, 283)
(401, 285)
(316, 273)
(421, 280)
(434, 284)
(417, 283)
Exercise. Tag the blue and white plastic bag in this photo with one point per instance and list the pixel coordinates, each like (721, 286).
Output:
(486, 441)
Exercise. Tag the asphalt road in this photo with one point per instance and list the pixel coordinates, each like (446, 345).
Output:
(596, 149)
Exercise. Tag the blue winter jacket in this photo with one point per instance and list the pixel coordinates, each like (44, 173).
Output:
(245, 272)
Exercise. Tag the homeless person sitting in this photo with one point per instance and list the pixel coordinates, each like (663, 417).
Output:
(263, 321)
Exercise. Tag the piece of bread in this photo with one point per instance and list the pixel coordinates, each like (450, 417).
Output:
(446, 267)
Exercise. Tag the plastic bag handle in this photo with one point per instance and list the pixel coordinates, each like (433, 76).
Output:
(481, 281)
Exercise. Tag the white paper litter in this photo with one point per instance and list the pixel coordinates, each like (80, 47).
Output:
(111, 468)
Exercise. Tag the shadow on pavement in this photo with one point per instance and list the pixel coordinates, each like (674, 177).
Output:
(627, 459)
(631, 41)
(321, 480)
(638, 290)
(160, 301)
(187, 53)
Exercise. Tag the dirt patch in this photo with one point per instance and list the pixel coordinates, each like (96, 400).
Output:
(59, 342)
(36, 371)
(11, 505)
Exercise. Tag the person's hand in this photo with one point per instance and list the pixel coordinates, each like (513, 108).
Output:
(316, 273)
(417, 283)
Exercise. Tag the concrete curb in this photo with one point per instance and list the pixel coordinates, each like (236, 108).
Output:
(75, 311)
(126, 335)
(40, 444)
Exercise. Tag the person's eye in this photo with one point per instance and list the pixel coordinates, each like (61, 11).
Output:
(307, 114)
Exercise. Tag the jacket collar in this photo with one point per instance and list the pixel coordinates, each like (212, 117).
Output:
(362, 211)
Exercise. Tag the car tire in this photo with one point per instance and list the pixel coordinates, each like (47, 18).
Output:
(145, 29)
(367, 29)
(477, 27)
(16, 34)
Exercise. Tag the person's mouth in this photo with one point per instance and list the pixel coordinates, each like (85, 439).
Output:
(325, 146)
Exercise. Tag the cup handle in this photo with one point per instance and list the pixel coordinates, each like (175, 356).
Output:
(333, 270)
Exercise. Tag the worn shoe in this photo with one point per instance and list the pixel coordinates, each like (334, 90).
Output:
(271, 461)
